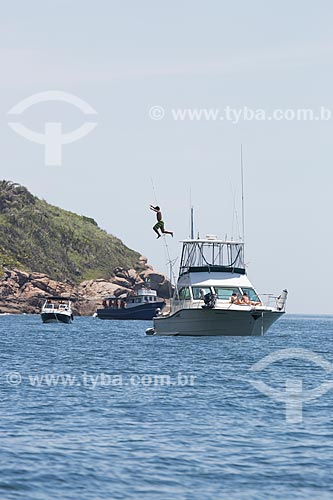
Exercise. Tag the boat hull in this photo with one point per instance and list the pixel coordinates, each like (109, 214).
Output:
(144, 312)
(53, 317)
(216, 322)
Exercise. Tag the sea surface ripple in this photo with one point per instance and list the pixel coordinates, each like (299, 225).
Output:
(86, 413)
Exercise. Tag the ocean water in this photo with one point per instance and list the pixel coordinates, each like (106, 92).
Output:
(98, 410)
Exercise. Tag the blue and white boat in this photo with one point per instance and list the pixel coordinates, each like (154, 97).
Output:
(143, 304)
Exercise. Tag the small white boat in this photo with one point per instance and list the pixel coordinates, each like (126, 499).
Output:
(57, 310)
(214, 296)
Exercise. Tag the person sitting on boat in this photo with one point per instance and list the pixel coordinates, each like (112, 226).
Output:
(234, 299)
(160, 223)
(246, 301)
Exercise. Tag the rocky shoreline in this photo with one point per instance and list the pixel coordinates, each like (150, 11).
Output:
(24, 292)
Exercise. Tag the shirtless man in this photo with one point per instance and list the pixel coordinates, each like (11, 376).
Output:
(248, 302)
(234, 299)
(245, 299)
(160, 223)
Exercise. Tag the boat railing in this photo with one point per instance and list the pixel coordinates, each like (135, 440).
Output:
(269, 300)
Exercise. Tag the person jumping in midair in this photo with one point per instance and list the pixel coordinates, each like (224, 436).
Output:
(160, 223)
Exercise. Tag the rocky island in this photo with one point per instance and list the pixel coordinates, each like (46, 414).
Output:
(45, 250)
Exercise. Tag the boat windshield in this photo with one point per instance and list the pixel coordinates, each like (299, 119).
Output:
(198, 292)
(184, 294)
(56, 305)
(224, 293)
(251, 294)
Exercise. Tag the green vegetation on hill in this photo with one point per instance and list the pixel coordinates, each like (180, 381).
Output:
(39, 237)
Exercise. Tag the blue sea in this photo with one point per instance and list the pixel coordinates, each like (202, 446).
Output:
(98, 410)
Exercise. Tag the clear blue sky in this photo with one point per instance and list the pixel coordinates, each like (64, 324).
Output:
(125, 57)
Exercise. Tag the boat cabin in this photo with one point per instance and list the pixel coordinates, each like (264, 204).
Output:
(142, 296)
(216, 267)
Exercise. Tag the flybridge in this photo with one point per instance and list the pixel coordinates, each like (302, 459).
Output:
(212, 255)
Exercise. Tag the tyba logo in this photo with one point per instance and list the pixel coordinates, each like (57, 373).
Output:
(53, 138)
(294, 395)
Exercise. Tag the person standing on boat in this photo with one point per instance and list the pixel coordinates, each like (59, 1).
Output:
(160, 223)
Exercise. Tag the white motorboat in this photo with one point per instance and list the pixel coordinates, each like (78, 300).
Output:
(214, 296)
(57, 310)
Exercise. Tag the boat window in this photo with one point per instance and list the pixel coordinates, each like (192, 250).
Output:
(252, 294)
(138, 300)
(197, 294)
(184, 293)
(224, 293)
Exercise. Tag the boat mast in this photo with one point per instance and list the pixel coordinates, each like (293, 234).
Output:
(243, 212)
(191, 217)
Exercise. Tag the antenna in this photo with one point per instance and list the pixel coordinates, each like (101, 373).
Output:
(234, 214)
(191, 217)
(243, 212)
(242, 181)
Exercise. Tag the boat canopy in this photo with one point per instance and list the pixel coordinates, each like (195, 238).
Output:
(212, 255)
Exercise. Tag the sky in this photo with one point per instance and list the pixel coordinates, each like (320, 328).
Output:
(126, 58)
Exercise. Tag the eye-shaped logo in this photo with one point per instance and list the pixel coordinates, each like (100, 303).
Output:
(294, 396)
(53, 138)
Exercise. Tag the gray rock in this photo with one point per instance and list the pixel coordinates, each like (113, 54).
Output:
(24, 292)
